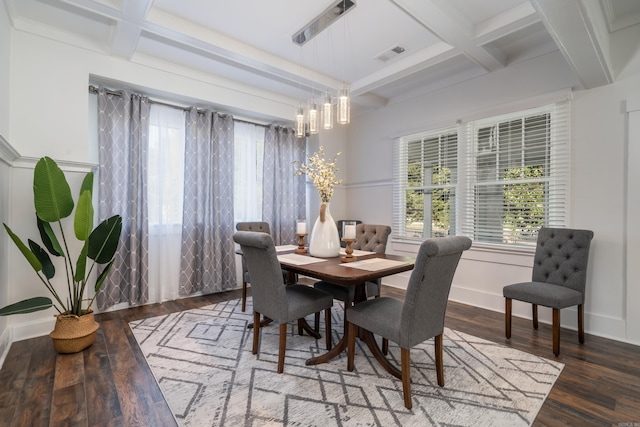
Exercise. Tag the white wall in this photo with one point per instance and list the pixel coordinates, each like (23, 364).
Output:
(597, 181)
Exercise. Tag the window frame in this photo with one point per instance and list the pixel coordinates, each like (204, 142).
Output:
(558, 181)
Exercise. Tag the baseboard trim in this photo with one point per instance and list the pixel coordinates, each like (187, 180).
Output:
(595, 324)
(31, 329)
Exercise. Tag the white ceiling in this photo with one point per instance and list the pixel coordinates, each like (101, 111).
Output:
(445, 41)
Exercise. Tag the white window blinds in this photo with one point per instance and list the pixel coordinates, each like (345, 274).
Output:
(518, 172)
(425, 180)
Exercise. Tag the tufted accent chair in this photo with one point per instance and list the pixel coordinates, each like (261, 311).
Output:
(558, 280)
(369, 237)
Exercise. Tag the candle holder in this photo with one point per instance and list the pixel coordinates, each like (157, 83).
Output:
(348, 250)
(301, 249)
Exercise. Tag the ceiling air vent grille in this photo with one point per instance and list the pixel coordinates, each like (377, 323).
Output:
(390, 53)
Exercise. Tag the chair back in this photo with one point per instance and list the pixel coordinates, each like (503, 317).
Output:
(372, 237)
(267, 284)
(252, 226)
(427, 294)
(561, 257)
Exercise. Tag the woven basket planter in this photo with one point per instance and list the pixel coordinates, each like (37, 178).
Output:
(74, 333)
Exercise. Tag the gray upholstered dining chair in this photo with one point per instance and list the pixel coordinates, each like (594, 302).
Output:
(271, 297)
(558, 280)
(369, 237)
(262, 227)
(421, 315)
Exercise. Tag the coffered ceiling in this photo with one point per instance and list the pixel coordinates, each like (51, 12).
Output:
(444, 42)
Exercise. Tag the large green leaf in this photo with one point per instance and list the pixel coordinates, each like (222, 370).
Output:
(103, 276)
(30, 256)
(47, 266)
(87, 183)
(81, 264)
(26, 306)
(103, 241)
(49, 238)
(51, 192)
(83, 220)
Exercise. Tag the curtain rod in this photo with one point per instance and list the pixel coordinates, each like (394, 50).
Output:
(94, 89)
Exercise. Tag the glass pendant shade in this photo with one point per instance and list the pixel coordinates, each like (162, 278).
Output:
(300, 122)
(327, 113)
(344, 107)
(313, 117)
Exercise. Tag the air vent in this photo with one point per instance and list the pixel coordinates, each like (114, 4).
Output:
(390, 53)
(322, 21)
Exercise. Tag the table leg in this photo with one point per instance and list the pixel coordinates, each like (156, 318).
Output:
(264, 322)
(360, 295)
(303, 325)
(370, 340)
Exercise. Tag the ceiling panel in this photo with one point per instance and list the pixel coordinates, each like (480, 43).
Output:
(249, 41)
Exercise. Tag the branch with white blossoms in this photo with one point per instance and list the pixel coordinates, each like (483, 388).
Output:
(321, 173)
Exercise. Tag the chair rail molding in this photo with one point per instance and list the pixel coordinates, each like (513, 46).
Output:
(8, 154)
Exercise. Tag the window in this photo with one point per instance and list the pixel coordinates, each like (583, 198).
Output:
(517, 175)
(165, 167)
(426, 177)
(247, 180)
(513, 175)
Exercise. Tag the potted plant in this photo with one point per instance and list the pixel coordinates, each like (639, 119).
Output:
(75, 327)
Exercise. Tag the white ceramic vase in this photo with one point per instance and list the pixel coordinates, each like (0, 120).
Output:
(324, 241)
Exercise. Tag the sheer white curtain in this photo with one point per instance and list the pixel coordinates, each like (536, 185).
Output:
(248, 155)
(165, 195)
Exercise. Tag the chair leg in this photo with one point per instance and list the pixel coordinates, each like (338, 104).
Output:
(534, 315)
(406, 376)
(385, 346)
(244, 296)
(556, 331)
(351, 344)
(256, 332)
(507, 317)
(439, 359)
(327, 327)
(581, 323)
(283, 346)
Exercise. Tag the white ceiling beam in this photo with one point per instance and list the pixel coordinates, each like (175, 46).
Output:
(126, 34)
(575, 35)
(189, 36)
(453, 29)
(506, 23)
(404, 67)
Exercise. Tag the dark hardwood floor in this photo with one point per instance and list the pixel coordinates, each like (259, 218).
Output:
(109, 384)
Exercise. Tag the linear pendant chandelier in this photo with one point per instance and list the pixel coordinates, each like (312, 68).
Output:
(316, 116)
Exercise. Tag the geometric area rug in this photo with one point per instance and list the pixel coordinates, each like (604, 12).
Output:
(202, 361)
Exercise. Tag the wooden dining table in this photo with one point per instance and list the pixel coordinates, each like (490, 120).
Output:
(367, 267)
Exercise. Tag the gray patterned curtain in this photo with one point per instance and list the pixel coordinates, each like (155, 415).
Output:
(208, 251)
(284, 193)
(123, 126)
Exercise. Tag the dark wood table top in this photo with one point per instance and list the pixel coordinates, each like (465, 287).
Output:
(335, 271)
